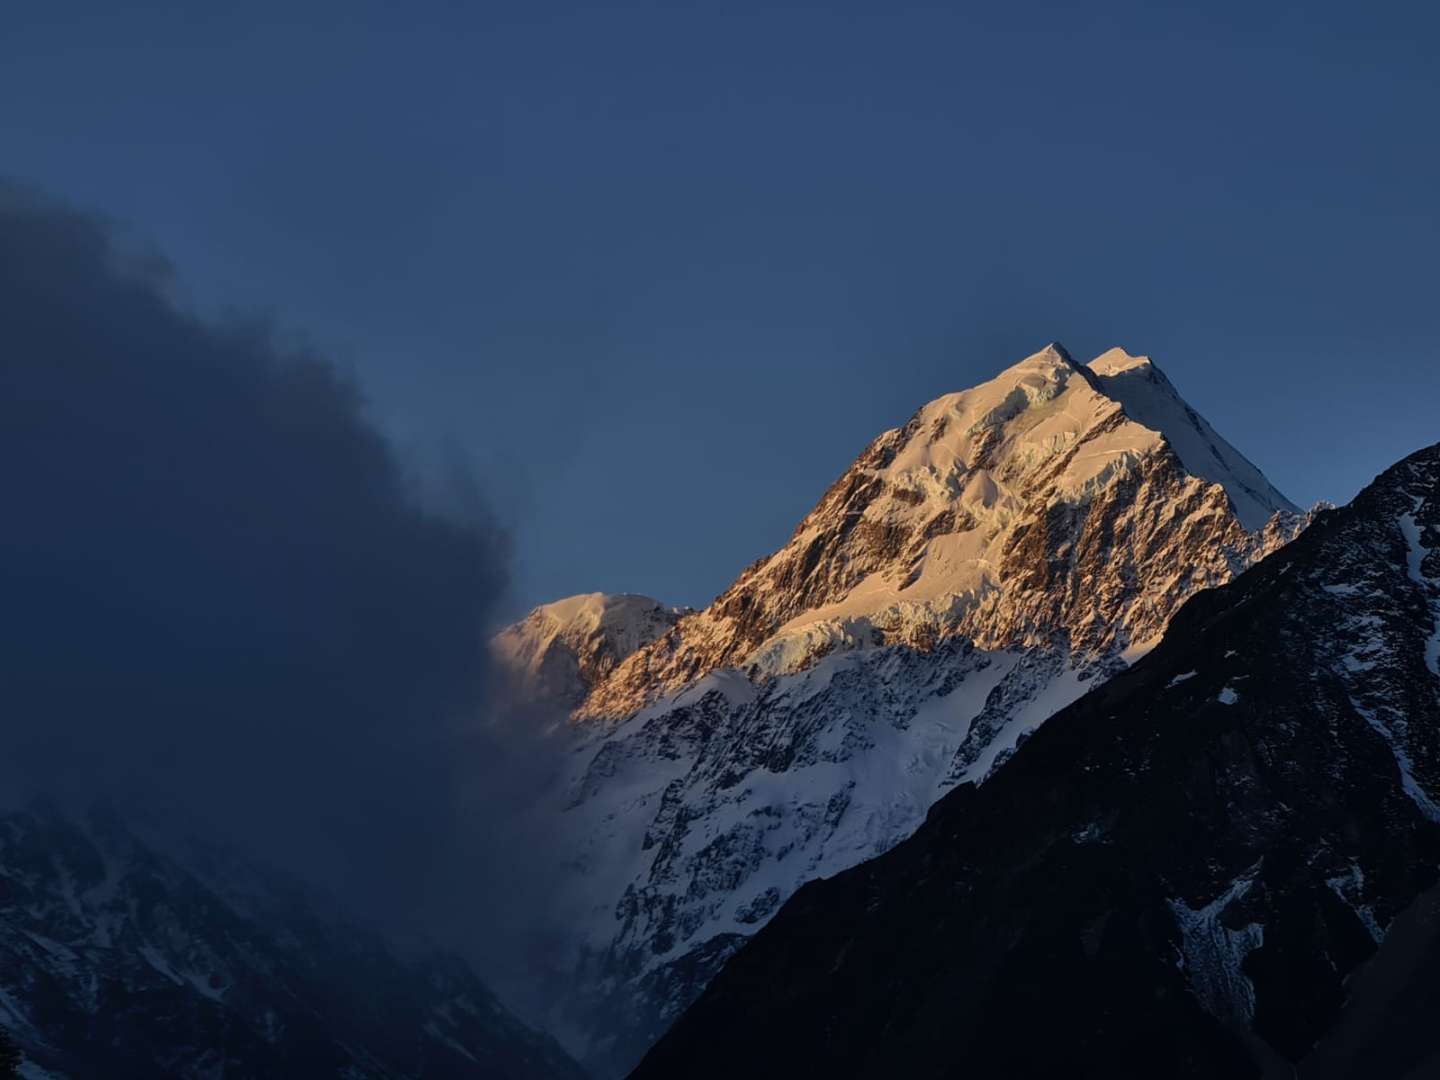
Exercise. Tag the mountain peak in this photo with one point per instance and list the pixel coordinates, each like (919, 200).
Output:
(1150, 399)
(561, 649)
(1053, 361)
(973, 570)
(930, 532)
(1056, 351)
(1117, 360)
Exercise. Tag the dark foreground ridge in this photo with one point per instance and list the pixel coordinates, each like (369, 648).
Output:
(1219, 863)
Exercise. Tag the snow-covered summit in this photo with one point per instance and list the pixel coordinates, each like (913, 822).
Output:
(1149, 398)
(947, 525)
(1116, 360)
(1009, 415)
(972, 571)
(561, 649)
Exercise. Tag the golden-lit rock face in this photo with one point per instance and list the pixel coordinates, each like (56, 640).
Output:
(1030, 508)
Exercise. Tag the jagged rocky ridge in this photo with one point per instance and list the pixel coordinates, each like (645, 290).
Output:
(124, 960)
(974, 570)
(1223, 862)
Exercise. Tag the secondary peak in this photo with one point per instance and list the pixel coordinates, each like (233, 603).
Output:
(1117, 360)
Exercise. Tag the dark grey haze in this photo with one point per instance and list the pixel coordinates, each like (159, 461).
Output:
(222, 593)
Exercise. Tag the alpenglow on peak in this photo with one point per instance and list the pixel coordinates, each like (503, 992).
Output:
(958, 522)
(975, 569)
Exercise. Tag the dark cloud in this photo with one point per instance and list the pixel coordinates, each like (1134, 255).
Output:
(220, 591)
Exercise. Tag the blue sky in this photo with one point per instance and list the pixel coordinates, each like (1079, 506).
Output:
(661, 271)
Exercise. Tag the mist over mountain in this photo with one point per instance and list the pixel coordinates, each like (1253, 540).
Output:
(123, 957)
(229, 614)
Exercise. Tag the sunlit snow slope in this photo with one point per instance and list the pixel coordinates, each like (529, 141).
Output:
(972, 572)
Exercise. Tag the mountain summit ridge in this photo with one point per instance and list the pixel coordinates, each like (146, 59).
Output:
(974, 570)
(1151, 399)
(905, 545)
